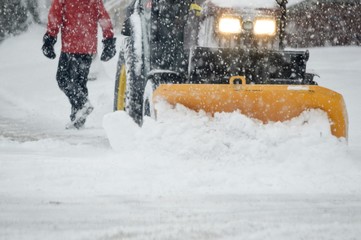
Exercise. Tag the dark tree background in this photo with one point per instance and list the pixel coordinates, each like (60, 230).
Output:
(16, 15)
(324, 23)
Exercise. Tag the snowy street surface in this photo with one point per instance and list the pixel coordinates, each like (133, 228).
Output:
(185, 176)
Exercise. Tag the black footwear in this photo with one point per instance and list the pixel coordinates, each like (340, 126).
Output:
(80, 123)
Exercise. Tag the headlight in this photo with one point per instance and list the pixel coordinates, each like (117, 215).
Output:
(265, 26)
(230, 25)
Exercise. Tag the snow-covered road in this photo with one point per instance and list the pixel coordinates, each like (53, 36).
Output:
(187, 176)
(114, 217)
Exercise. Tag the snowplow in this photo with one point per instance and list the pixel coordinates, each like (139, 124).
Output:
(217, 58)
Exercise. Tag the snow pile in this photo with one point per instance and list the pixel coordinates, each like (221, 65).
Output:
(227, 135)
(231, 153)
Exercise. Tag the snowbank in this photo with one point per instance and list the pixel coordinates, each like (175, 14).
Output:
(231, 153)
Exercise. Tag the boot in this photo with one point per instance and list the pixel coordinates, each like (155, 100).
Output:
(78, 118)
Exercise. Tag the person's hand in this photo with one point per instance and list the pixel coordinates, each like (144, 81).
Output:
(48, 46)
(108, 49)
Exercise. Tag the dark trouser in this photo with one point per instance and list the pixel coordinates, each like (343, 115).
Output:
(72, 77)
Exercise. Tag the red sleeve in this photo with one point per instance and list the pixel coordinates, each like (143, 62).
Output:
(55, 18)
(105, 22)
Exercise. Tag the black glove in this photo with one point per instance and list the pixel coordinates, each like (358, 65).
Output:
(108, 49)
(48, 46)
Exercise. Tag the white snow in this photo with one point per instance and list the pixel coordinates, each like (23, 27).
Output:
(185, 176)
(298, 88)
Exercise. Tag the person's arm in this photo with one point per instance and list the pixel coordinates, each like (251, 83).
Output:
(108, 34)
(55, 18)
(104, 21)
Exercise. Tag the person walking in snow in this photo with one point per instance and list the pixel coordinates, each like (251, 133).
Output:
(78, 21)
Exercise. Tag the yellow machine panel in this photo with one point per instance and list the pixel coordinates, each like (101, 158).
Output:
(264, 102)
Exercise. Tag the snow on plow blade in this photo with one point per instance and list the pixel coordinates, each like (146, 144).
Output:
(264, 102)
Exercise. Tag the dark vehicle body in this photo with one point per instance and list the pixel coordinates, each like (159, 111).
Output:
(181, 42)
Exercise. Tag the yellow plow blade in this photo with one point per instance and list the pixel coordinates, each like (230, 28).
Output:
(264, 102)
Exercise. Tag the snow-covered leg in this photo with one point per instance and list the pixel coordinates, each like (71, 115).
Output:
(80, 116)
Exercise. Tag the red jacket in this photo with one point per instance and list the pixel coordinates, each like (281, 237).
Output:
(78, 21)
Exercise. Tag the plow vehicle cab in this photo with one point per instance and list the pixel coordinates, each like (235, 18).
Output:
(217, 57)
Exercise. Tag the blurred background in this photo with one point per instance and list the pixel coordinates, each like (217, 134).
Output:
(17, 15)
(311, 23)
